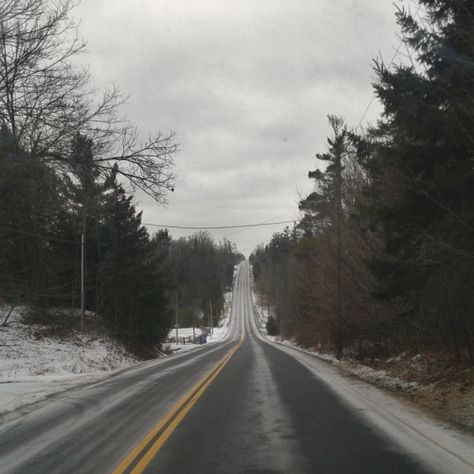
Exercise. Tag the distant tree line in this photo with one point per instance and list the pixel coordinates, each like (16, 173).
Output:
(382, 260)
(69, 163)
(202, 272)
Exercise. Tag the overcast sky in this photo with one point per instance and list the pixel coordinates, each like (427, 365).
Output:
(247, 86)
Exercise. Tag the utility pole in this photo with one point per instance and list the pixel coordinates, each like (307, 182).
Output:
(176, 310)
(83, 268)
(212, 321)
(85, 172)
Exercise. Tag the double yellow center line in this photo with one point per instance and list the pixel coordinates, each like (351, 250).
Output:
(148, 447)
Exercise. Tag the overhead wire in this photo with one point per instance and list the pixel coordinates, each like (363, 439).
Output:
(264, 222)
(366, 111)
(217, 227)
(164, 226)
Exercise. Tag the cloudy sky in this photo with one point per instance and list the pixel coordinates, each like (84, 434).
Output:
(247, 86)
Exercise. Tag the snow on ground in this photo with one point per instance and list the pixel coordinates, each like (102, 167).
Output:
(35, 363)
(377, 377)
(186, 335)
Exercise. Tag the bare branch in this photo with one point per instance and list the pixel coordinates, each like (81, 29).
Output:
(45, 99)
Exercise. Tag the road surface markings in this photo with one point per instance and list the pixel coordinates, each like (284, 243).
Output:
(148, 447)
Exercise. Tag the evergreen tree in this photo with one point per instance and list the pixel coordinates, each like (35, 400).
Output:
(422, 173)
(35, 234)
(133, 289)
(324, 207)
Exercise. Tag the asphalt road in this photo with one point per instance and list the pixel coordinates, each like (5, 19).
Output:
(240, 406)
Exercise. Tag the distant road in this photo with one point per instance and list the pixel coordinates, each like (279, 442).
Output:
(240, 406)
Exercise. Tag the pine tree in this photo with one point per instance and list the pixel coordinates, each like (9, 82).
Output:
(422, 172)
(324, 208)
(324, 204)
(134, 289)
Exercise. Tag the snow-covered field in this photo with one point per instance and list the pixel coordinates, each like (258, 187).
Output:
(187, 335)
(34, 363)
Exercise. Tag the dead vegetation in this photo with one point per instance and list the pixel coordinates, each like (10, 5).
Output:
(433, 381)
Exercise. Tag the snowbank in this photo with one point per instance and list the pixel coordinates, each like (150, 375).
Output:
(35, 363)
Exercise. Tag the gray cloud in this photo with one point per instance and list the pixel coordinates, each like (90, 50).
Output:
(246, 85)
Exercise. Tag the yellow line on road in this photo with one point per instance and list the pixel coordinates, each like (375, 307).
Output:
(181, 409)
(145, 460)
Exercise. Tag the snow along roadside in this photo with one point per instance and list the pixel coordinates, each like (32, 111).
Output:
(439, 447)
(34, 367)
(36, 363)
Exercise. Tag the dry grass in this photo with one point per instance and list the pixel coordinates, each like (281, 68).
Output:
(437, 383)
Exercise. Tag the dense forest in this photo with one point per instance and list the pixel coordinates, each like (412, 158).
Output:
(70, 163)
(382, 260)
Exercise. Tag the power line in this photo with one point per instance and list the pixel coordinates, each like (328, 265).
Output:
(397, 51)
(264, 222)
(240, 226)
(366, 111)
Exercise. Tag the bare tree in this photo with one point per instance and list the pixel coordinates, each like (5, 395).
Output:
(46, 100)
